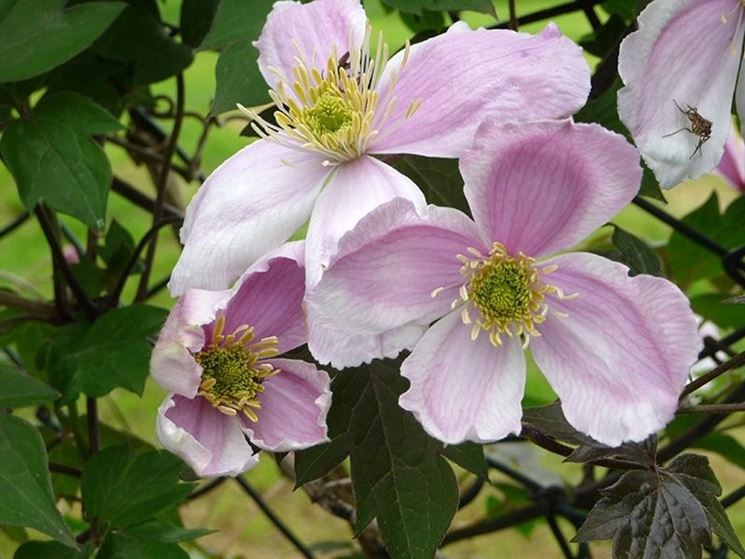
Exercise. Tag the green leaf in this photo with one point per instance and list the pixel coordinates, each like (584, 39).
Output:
(123, 545)
(398, 474)
(636, 254)
(49, 550)
(718, 309)
(117, 250)
(115, 352)
(439, 179)
(158, 530)
(18, 389)
(124, 487)
(238, 23)
(37, 35)
(196, 19)
(139, 37)
(416, 6)
(25, 489)
(469, 456)
(53, 158)
(57, 358)
(689, 261)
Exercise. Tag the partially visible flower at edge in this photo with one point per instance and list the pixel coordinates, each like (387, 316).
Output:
(218, 356)
(732, 166)
(616, 349)
(685, 55)
(338, 103)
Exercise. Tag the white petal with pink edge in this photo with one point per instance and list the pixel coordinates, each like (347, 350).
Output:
(686, 52)
(544, 186)
(250, 205)
(464, 76)
(294, 405)
(463, 389)
(620, 358)
(211, 443)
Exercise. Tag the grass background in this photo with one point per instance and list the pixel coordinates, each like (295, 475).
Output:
(243, 530)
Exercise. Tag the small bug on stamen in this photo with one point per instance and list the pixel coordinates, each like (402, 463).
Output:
(699, 126)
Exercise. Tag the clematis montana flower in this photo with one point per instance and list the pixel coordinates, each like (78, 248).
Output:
(732, 165)
(616, 349)
(682, 65)
(217, 355)
(339, 103)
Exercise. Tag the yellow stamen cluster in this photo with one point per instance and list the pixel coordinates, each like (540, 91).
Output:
(331, 111)
(508, 293)
(233, 375)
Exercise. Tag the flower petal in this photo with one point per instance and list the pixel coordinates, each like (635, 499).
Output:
(269, 297)
(250, 205)
(293, 410)
(732, 165)
(464, 76)
(211, 443)
(689, 52)
(312, 32)
(357, 188)
(172, 364)
(463, 389)
(620, 359)
(375, 298)
(544, 186)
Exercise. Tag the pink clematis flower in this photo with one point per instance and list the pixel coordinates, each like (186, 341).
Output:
(338, 104)
(686, 52)
(732, 165)
(217, 355)
(616, 349)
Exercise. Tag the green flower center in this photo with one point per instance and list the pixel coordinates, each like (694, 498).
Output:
(502, 291)
(329, 115)
(232, 370)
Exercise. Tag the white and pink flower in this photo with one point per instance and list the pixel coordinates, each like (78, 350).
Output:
(689, 53)
(218, 357)
(339, 104)
(616, 349)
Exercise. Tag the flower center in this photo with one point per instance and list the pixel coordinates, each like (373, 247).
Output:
(232, 371)
(508, 293)
(332, 111)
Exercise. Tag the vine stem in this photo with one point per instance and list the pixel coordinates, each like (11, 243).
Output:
(736, 362)
(160, 198)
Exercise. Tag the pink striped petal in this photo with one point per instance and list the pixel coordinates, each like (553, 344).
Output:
(311, 32)
(358, 187)
(269, 297)
(293, 410)
(375, 298)
(171, 363)
(463, 389)
(250, 205)
(689, 52)
(732, 165)
(211, 442)
(464, 76)
(620, 359)
(544, 186)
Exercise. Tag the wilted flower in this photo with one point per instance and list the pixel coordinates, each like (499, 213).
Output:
(217, 355)
(679, 67)
(616, 349)
(338, 102)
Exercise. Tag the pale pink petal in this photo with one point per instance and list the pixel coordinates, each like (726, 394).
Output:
(620, 359)
(171, 363)
(211, 442)
(732, 165)
(250, 205)
(312, 32)
(357, 187)
(544, 186)
(463, 389)
(293, 410)
(269, 297)
(378, 287)
(464, 76)
(689, 52)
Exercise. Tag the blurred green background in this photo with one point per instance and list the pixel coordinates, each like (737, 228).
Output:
(242, 530)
